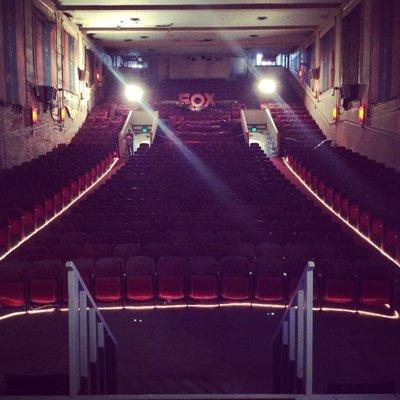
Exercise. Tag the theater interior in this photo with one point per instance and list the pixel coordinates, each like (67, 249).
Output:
(199, 199)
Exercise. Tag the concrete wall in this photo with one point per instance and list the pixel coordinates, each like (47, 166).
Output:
(379, 137)
(20, 141)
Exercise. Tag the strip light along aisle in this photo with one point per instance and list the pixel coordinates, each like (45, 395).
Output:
(13, 248)
(395, 314)
(359, 233)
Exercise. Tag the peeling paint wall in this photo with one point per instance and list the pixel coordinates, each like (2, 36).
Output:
(20, 140)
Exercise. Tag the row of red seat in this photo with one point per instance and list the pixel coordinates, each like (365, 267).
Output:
(174, 188)
(35, 191)
(363, 192)
(79, 245)
(371, 224)
(22, 214)
(142, 279)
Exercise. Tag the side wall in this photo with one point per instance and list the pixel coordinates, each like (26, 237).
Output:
(378, 137)
(20, 140)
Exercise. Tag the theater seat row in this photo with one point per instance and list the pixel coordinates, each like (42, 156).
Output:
(380, 227)
(79, 248)
(35, 191)
(364, 192)
(197, 279)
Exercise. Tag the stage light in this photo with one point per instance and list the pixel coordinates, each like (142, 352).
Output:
(267, 86)
(134, 93)
(335, 114)
(361, 113)
(34, 116)
(63, 114)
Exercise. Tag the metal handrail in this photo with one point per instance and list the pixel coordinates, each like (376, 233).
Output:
(71, 267)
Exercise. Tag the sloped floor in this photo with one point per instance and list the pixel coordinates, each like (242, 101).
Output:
(207, 351)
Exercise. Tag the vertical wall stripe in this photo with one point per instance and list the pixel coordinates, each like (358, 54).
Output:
(10, 52)
(72, 63)
(65, 61)
(2, 69)
(38, 50)
(46, 32)
(53, 52)
(20, 50)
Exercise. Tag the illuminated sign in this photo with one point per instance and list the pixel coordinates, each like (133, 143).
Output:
(198, 100)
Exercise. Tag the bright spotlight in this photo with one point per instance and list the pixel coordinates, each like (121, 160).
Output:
(134, 93)
(267, 86)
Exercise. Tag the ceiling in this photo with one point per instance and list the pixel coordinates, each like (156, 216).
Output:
(198, 26)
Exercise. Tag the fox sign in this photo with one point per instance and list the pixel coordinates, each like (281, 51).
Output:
(198, 100)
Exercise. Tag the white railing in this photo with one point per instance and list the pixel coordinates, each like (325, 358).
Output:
(243, 123)
(154, 127)
(272, 133)
(121, 137)
(293, 341)
(92, 346)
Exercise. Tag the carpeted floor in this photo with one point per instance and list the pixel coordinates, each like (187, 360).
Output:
(207, 351)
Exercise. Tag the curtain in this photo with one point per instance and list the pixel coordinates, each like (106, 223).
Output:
(385, 55)
(12, 52)
(70, 69)
(327, 60)
(45, 50)
(351, 51)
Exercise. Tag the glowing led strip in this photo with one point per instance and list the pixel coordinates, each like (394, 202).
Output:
(3, 256)
(359, 233)
(395, 314)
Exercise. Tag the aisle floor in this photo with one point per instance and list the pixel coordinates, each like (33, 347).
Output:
(206, 350)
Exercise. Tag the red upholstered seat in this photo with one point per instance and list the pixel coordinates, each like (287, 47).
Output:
(126, 250)
(376, 285)
(375, 292)
(96, 251)
(139, 279)
(297, 250)
(339, 285)
(228, 237)
(217, 250)
(235, 278)
(171, 278)
(65, 252)
(242, 249)
(203, 278)
(32, 254)
(13, 277)
(185, 249)
(202, 237)
(156, 250)
(269, 281)
(269, 250)
(108, 279)
(44, 282)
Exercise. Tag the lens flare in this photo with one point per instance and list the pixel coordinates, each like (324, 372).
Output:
(134, 93)
(267, 86)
